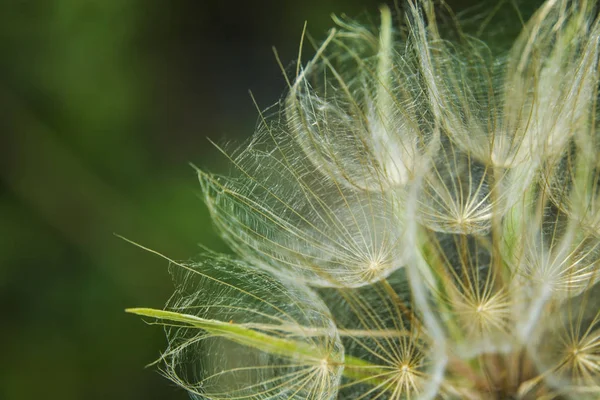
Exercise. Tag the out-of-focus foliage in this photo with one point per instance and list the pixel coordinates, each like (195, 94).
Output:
(102, 105)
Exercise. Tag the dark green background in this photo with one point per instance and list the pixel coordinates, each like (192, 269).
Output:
(102, 105)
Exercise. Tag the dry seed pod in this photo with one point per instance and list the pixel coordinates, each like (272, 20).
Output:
(285, 215)
(256, 337)
(472, 291)
(566, 347)
(358, 111)
(518, 109)
(379, 325)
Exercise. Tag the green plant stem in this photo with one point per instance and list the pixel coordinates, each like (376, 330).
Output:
(354, 368)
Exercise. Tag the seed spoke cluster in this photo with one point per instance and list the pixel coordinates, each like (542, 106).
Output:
(217, 363)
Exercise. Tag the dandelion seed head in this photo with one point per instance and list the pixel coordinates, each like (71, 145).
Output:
(418, 218)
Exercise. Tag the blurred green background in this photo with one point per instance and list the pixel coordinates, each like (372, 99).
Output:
(103, 103)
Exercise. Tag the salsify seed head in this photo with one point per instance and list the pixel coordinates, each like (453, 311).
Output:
(419, 219)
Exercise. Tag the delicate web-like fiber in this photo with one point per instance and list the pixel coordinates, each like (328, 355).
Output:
(220, 363)
(284, 215)
(419, 219)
